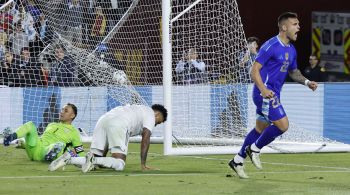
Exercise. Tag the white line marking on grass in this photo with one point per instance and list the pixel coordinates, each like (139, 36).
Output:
(295, 172)
(160, 174)
(282, 164)
(314, 166)
(120, 175)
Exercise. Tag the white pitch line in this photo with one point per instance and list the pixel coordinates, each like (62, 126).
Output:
(295, 172)
(283, 164)
(120, 175)
(159, 174)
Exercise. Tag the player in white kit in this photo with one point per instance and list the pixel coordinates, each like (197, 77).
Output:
(112, 133)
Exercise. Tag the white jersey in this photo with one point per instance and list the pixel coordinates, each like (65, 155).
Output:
(134, 118)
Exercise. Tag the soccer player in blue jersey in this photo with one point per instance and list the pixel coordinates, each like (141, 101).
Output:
(276, 58)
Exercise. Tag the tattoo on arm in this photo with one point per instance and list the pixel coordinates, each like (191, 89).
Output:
(297, 76)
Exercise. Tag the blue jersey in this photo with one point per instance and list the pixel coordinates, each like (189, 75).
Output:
(276, 59)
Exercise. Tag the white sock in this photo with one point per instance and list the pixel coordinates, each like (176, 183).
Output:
(238, 159)
(77, 161)
(254, 148)
(110, 162)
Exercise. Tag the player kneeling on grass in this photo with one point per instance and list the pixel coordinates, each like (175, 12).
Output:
(57, 137)
(112, 133)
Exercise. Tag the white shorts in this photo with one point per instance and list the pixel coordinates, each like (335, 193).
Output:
(112, 134)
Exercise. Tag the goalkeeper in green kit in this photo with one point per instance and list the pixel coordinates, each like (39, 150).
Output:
(56, 139)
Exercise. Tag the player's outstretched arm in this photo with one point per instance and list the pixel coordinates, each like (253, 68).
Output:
(145, 142)
(298, 77)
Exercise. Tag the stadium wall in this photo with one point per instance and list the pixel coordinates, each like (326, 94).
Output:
(324, 112)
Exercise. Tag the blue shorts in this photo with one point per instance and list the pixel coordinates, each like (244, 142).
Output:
(268, 110)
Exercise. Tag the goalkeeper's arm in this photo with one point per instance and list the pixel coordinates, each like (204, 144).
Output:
(77, 145)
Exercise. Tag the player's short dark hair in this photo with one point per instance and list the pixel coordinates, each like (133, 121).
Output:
(75, 109)
(252, 39)
(161, 109)
(285, 16)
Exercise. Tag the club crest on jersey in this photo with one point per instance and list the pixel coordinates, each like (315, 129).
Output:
(286, 55)
(66, 130)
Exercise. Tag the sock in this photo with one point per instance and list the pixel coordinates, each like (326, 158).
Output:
(110, 162)
(267, 136)
(238, 159)
(252, 136)
(77, 161)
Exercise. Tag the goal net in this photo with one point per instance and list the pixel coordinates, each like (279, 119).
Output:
(101, 54)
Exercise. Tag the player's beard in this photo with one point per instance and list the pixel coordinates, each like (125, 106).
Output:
(293, 36)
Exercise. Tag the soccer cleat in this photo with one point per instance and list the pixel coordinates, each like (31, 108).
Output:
(54, 151)
(238, 168)
(254, 157)
(60, 162)
(89, 163)
(8, 136)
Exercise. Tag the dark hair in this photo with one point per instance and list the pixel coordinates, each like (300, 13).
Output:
(59, 46)
(75, 109)
(161, 109)
(314, 55)
(24, 48)
(252, 39)
(284, 16)
(316, 58)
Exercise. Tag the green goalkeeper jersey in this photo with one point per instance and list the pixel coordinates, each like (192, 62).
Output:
(60, 132)
(66, 133)
(37, 147)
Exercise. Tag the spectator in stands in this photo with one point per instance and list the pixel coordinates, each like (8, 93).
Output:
(99, 28)
(6, 20)
(314, 72)
(75, 14)
(45, 35)
(3, 43)
(27, 22)
(29, 70)
(63, 70)
(248, 58)
(88, 8)
(115, 13)
(190, 70)
(9, 71)
(33, 10)
(18, 39)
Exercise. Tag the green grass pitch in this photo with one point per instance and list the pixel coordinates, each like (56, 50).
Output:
(322, 173)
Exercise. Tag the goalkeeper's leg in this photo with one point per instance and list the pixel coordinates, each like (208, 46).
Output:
(32, 141)
(28, 131)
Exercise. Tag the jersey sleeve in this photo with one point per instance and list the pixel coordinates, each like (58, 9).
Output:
(77, 144)
(149, 120)
(264, 55)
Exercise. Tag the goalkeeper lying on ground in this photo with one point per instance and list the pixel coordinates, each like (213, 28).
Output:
(57, 138)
